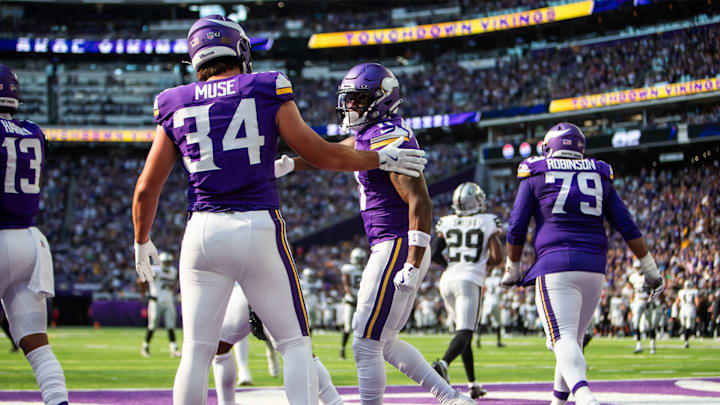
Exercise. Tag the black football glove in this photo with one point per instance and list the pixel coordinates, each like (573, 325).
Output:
(256, 326)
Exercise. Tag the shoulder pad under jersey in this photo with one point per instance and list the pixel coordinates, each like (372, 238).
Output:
(531, 166)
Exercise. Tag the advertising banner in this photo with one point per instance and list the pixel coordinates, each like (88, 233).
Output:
(452, 28)
(635, 95)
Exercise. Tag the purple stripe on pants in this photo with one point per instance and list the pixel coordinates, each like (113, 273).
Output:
(389, 292)
(298, 301)
(552, 325)
(379, 294)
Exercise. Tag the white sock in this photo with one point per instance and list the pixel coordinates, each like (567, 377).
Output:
(300, 376)
(327, 391)
(652, 344)
(225, 373)
(173, 347)
(583, 395)
(570, 361)
(242, 350)
(191, 380)
(561, 392)
(371, 372)
(273, 363)
(406, 358)
(146, 345)
(638, 345)
(49, 375)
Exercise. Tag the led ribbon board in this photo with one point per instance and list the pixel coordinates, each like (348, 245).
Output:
(453, 28)
(635, 95)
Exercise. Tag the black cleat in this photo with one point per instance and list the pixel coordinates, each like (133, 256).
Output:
(441, 369)
(342, 353)
(476, 390)
(500, 345)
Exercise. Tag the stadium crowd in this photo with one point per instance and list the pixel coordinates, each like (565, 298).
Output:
(539, 76)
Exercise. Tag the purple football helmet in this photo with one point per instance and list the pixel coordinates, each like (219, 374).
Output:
(9, 89)
(367, 93)
(215, 36)
(564, 140)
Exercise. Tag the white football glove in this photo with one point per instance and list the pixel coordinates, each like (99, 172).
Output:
(407, 278)
(512, 275)
(283, 166)
(654, 283)
(406, 161)
(143, 253)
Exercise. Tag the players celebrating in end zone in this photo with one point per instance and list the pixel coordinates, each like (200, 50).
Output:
(397, 213)
(472, 240)
(226, 127)
(569, 196)
(26, 268)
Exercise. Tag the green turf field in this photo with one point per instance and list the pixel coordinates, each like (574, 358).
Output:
(110, 358)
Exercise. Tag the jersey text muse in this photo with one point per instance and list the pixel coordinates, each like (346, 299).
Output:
(226, 134)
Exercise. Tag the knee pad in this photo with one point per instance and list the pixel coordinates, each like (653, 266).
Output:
(29, 323)
(366, 348)
(283, 346)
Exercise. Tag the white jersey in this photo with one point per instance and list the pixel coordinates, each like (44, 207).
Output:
(687, 297)
(493, 291)
(467, 240)
(638, 282)
(162, 287)
(355, 273)
(312, 288)
(616, 304)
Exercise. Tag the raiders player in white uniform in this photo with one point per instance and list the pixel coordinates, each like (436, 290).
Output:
(472, 240)
(688, 301)
(162, 302)
(351, 276)
(643, 310)
(312, 289)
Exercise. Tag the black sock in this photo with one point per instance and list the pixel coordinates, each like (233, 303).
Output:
(148, 335)
(498, 334)
(457, 345)
(651, 334)
(171, 335)
(345, 337)
(467, 359)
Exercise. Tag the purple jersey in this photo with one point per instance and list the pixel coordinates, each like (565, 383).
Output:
(569, 199)
(22, 156)
(226, 134)
(384, 213)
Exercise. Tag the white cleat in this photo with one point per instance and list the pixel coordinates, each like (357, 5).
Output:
(174, 354)
(461, 399)
(145, 352)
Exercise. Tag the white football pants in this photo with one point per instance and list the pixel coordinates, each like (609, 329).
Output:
(462, 302)
(566, 302)
(250, 248)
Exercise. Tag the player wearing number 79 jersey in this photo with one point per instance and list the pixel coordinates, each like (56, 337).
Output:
(569, 196)
(226, 128)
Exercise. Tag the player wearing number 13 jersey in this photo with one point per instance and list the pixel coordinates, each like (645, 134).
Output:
(225, 127)
(569, 196)
(26, 268)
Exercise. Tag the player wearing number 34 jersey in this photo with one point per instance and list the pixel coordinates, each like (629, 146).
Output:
(569, 196)
(226, 128)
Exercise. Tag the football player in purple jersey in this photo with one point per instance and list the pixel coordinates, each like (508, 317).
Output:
(26, 271)
(569, 196)
(397, 213)
(225, 128)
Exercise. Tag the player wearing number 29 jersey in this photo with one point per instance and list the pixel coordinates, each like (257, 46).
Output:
(225, 128)
(26, 269)
(569, 196)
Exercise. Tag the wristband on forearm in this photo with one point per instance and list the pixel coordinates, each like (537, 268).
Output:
(418, 238)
